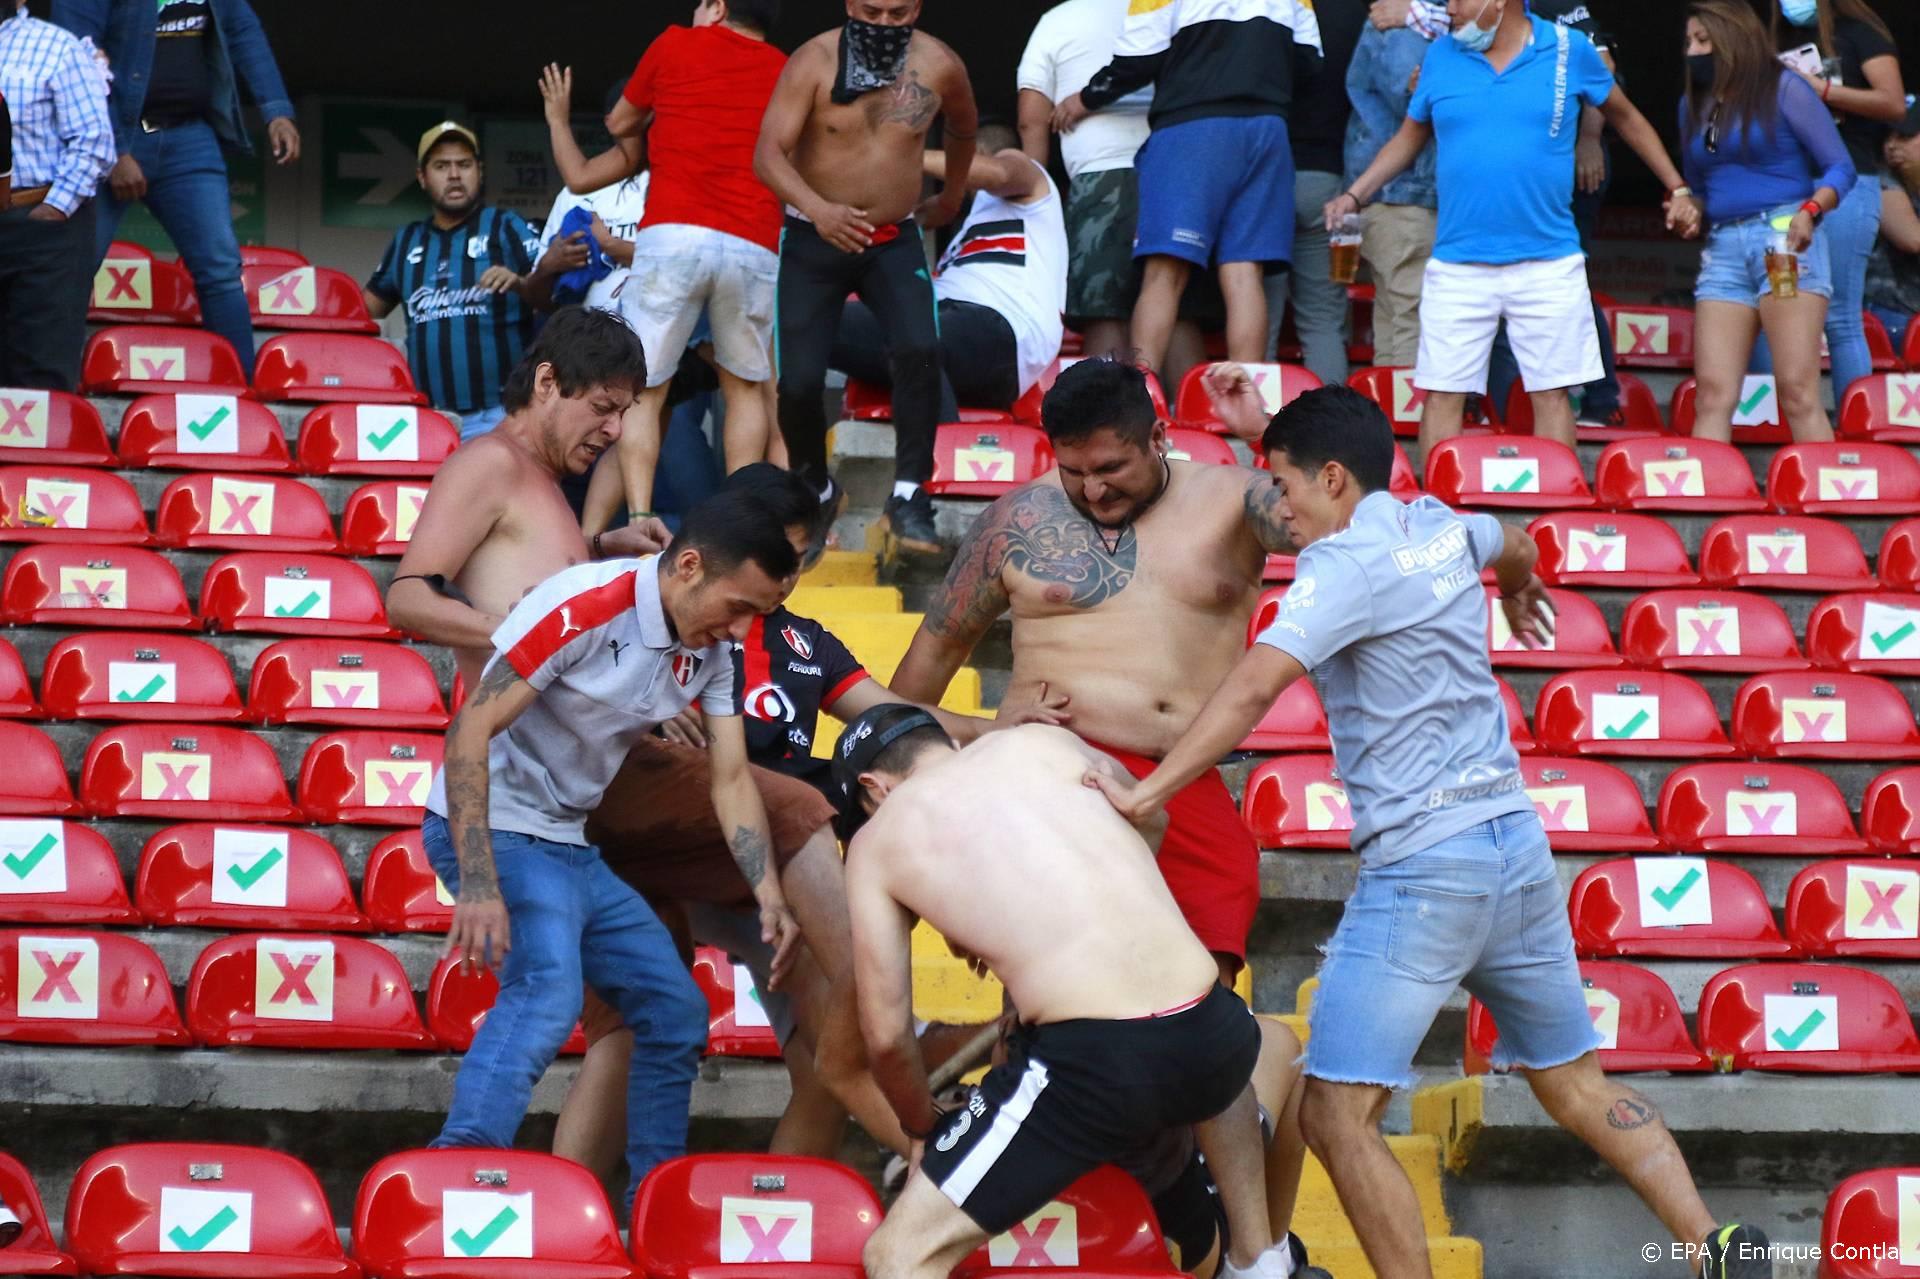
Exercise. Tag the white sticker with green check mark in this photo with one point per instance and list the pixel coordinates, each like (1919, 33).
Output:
(142, 682)
(747, 1007)
(1673, 891)
(1509, 475)
(386, 433)
(206, 424)
(485, 1223)
(1888, 633)
(194, 1220)
(250, 867)
(1626, 717)
(299, 597)
(1759, 402)
(1801, 1023)
(33, 857)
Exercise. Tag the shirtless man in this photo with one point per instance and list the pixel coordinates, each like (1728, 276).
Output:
(1131, 578)
(1124, 1033)
(841, 144)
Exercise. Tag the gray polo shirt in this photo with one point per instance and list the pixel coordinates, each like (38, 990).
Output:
(1389, 616)
(594, 640)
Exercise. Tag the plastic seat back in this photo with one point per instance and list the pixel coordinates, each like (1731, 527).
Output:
(33, 1251)
(1640, 415)
(188, 432)
(1676, 475)
(1278, 384)
(302, 991)
(1580, 638)
(69, 504)
(1393, 390)
(114, 586)
(369, 777)
(1756, 412)
(321, 367)
(1876, 634)
(199, 1209)
(138, 675)
(1297, 801)
(52, 427)
(459, 1001)
(1883, 407)
(1783, 553)
(1646, 713)
(253, 512)
(194, 772)
(1517, 731)
(347, 682)
(204, 875)
(866, 402)
(375, 439)
(1103, 1221)
(987, 460)
(55, 872)
(754, 1216)
(1635, 1012)
(1872, 1224)
(1295, 722)
(401, 892)
(1844, 478)
(1190, 444)
(737, 1024)
(1890, 813)
(379, 518)
(132, 359)
(1815, 1018)
(1682, 907)
(1507, 471)
(1651, 337)
(1856, 909)
(468, 1214)
(1627, 551)
(284, 593)
(1588, 806)
(34, 782)
(1899, 559)
(142, 289)
(305, 297)
(1691, 630)
(69, 987)
(1823, 715)
(271, 255)
(1752, 808)
(16, 690)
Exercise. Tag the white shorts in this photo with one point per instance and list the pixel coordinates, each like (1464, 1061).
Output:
(1549, 315)
(680, 270)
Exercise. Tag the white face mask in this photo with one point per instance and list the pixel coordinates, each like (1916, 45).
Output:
(1473, 37)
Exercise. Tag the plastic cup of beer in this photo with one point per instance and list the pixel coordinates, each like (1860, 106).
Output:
(1345, 246)
(1783, 267)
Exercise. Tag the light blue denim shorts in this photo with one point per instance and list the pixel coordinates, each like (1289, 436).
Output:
(1733, 266)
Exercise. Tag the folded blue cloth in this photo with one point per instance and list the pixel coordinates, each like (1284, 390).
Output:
(573, 286)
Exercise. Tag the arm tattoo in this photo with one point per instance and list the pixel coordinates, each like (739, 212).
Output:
(1631, 1111)
(1037, 532)
(498, 679)
(468, 799)
(749, 849)
(1263, 500)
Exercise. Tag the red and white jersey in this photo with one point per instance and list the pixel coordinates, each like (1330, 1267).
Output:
(1012, 256)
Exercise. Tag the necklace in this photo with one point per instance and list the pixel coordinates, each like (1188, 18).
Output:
(1112, 546)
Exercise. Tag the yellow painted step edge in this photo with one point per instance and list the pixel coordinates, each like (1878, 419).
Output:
(1452, 1113)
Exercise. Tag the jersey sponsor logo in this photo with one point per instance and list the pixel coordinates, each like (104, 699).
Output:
(568, 626)
(615, 647)
(799, 643)
(769, 702)
(1437, 552)
(795, 668)
(685, 666)
(429, 305)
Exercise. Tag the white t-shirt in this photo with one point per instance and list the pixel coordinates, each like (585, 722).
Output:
(1068, 45)
(620, 207)
(1012, 257)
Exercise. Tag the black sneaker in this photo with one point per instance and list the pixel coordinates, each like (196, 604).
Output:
(910, 523)
(1735, 1251)
(831, 508)
(1302, 1268)
(1615, 419)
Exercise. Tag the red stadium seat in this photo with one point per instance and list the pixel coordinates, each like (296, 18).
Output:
(1295, 722)
(134, 675)
(1883, 407)
(1681, 907)
(1879, 344)
(1910, 348)
(1297, 801)
(1102, 1223)
(987, 460)
(369, 777)
(1684, 630)
(1756, 414)
(1507, 471)
(52, 427)
(55, 872)
(401, 892)
(133, 359)
(1899, 559)
(305, 297)
(1823, 715)
(1890, 813)
(1756, 808)
(1647, 713)
(1580, 638)
(1191, 444)
(754, 1217)
(1676, 475)
(1652, 337)
(1393, 390)
(1783, 553)
(1639, 1020)
(69, 987)
(379, 518)
(189, 1208)
(249, 513)
(34, 782)
(1844, 478)
(1278, 384)
(375, 439)
(1630, 552)
(1876, 634)
(476, 1214)
(302, 991)
(70, 504)
(321, 367)
(1517, 731)
(1813, 1018)
(16, 690)
(347, 682)
(288, 594)
(142, 289)
(193, 772)
(32, 1252)
(1639, 413)
(188, 432)
(737, 1024)
(1856, 909)
(93, 586)
(866, 402)
(201, 875)
(458, 1001)
(1588, 806)
(271, 255)
(1872, 1227)
(1265, 609)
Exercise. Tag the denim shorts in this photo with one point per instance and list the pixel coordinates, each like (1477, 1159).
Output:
(1483, 909)
(1733, 265)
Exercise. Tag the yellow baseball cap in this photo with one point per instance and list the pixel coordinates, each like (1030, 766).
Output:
(439, 131)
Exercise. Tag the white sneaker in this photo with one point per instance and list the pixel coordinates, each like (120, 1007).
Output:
(1275, 1263)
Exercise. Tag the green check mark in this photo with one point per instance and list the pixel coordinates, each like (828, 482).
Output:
(268, 860)
(146, 694)
(301, 609)
(1516, 484)
(1791, 1040)
(201, 430)
(1885, 642)
(381, 439)
(23, 866)
(474, 1245)
(1758, 398)
(1668, 897)
(1628, 729)
(206, 1234)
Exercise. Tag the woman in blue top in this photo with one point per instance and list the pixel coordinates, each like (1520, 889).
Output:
(1762, 152)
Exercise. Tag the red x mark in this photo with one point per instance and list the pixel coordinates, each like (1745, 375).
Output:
(1031, 1245)
(120, 280)
(1339, 806)
(293, 978)
(984, 470)
(1880, 902)
(1909, 400)
(1777, 560)
(1762, 819)
(344, 696)
(59, 976)
(175, 782)
(1594, 555)
(1642, 335)
(763, 1242)
(157, 370)
(16, 416)
(1555, 812)
(1670, 481)
(1593, 1013)
(55, 510)
(286, 290)
(97, 594)
(1416, 400)
(1849, 490)
(240, 512)
(1706, 637)
(400, 786)
(1813, 728)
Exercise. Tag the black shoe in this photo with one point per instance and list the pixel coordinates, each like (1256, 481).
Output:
(1615, 419)
(831, 508)
(1735, 1251)
(1302, 1268)
(910, 523)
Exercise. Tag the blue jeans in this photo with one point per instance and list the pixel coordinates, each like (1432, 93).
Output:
(1482, 909)
(574, 921)
(1896, 324)
(1850, 231)
(187, 192)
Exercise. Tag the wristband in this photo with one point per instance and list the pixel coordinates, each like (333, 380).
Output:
(1826, 89)
(598, 554)
(1813, 210)
(1682, 190)
(1358, 203)
(634, 517)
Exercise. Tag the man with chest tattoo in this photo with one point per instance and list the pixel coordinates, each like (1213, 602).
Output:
(841, 144)
(1130, 578)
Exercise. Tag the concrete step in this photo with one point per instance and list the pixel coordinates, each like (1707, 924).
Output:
(841, 568)
(1323, 1226)
(827, 602)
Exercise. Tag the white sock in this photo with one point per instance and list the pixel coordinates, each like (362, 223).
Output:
(905, 488)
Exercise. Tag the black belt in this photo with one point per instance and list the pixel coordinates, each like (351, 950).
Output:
(149, 124)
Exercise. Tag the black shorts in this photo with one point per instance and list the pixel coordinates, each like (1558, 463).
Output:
(1077, 1094)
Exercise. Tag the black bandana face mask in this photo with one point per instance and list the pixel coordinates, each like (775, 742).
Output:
(871, 57)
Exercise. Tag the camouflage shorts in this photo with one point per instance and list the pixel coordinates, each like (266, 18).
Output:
(1102, 277)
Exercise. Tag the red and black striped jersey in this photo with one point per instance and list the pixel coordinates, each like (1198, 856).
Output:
(786, 672)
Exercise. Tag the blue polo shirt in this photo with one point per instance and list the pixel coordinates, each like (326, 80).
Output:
(1505, 144)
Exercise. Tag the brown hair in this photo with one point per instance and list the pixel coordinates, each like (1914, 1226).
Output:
(1746, 75)
(1830, 11)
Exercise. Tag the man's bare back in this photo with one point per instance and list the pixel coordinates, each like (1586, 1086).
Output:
(1004, 850)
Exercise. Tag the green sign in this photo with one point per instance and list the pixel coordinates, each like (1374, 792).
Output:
(369, 177)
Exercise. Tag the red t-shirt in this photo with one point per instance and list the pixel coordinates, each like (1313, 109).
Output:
(708, 87)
